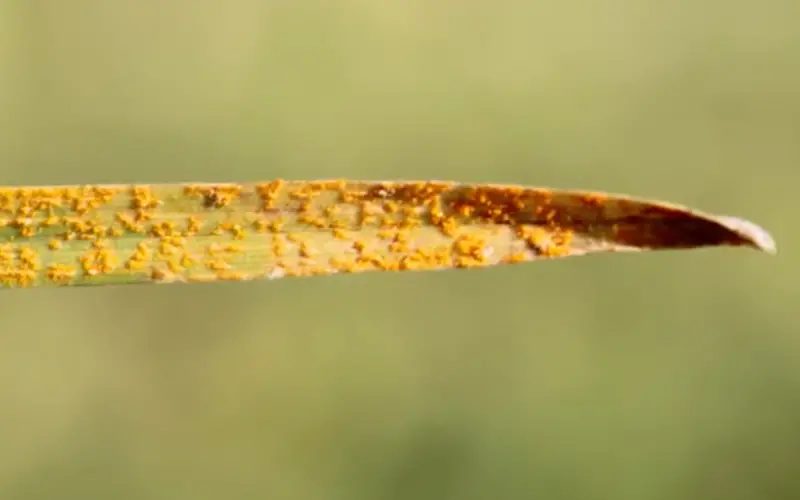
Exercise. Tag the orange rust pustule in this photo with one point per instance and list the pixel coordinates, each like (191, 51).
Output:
(499, 205)
(513, 205)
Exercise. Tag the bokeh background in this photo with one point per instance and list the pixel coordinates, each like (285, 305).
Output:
(657, 376)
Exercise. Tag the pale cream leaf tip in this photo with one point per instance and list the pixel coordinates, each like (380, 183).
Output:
(753, 233)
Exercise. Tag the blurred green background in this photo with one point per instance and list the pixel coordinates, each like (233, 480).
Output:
(657, 376)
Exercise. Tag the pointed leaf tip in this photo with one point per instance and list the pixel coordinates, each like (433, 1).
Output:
(751, 233)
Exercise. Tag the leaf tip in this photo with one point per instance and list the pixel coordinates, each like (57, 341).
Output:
(751, 233)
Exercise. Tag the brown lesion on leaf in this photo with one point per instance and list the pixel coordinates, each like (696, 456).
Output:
(673, 229)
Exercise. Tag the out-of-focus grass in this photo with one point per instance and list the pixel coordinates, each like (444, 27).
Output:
(671, 375)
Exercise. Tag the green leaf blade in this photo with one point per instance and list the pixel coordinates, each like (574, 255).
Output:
(168, 233)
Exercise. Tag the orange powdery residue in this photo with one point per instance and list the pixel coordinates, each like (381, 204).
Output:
(203, 232)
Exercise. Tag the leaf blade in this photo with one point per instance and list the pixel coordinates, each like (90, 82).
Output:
(163, 233)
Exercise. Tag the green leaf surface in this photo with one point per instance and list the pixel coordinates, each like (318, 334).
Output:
(166, 233)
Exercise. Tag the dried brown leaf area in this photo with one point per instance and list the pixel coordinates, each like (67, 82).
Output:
(102, 234)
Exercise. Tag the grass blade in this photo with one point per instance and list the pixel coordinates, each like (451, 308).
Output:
(163, 233)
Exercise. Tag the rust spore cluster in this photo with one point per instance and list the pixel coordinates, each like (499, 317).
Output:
(207, 232)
